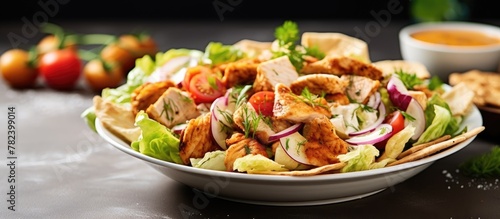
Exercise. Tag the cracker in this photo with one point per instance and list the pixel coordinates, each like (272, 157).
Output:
(437, 147)
(486, 86)
(418, 147)
(310, 172)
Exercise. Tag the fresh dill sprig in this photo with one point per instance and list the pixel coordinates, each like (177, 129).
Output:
(311, 99)
(486, 165)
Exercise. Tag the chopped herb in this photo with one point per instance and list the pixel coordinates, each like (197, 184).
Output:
(250, 121)
(408, 79)
(242, 95)
(407, 116)
(212, 82)
(300, 144)
(486, 165)
(247, 149)
(275, 72)
(311, 99)
(170, 110)
(227, 116)
(287, 143)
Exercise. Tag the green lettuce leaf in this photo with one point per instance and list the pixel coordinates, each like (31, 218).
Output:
(218, 53)
(252, 162)
(437, 128)
(156, 140)
(213, 160)
(360, 158)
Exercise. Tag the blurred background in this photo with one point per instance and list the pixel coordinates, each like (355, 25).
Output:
(235, 10)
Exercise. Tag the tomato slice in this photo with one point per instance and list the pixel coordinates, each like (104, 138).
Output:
(205, 88)
(397, 121)
(263, 102)
(191, 72)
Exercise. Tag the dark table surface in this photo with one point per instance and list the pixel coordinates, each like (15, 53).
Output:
(64, 170)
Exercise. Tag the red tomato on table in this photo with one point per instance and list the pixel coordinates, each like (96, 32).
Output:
(263, 102)
(60, 69)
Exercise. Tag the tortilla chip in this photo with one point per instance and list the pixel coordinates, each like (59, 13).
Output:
(430, 150)
(117, 119)
(311, 172)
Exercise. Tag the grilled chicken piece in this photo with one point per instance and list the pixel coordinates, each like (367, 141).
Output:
(274, 71)
(172, 108)
(247, 114)
(360, 88)
(323, 145)
(146, 94)
(242, 71)
(342, 65)
(239, 146)
(196, 139)
(295, 108)
(320, 84)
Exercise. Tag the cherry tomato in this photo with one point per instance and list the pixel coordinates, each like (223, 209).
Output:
(138, 45)
(397, 121)
(50, 43)
(99, 75)
(60, 69)
(191, 72)
(205, 88)
(16, 70)
(263, 102)
(114, 53)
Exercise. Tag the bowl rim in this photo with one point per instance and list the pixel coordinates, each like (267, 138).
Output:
(405, 38)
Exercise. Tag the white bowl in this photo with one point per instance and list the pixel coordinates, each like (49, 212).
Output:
(276, 190)
(443, 59)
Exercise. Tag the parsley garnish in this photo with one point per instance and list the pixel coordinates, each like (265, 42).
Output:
(435, 83)
(287, 36)
(408, 79)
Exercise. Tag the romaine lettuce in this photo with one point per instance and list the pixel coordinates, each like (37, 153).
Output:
(156, 140)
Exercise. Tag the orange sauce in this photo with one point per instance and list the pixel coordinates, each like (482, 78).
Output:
(456, 38)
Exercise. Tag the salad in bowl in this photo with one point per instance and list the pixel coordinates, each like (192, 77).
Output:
(284, 108)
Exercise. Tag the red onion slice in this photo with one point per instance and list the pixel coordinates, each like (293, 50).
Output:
(218, 132)
(374, 100)
(177, 129)
(381, 133)
(286, 132)
(417, 112)
(398, 93)
(380, 119)
(293, 145)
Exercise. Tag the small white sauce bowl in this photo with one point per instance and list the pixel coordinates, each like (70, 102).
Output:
(440, 59)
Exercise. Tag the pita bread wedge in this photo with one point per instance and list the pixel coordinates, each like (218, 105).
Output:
(117, 119)
(388, 67)
(311, 172)
(430, 150)
(337, 44)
